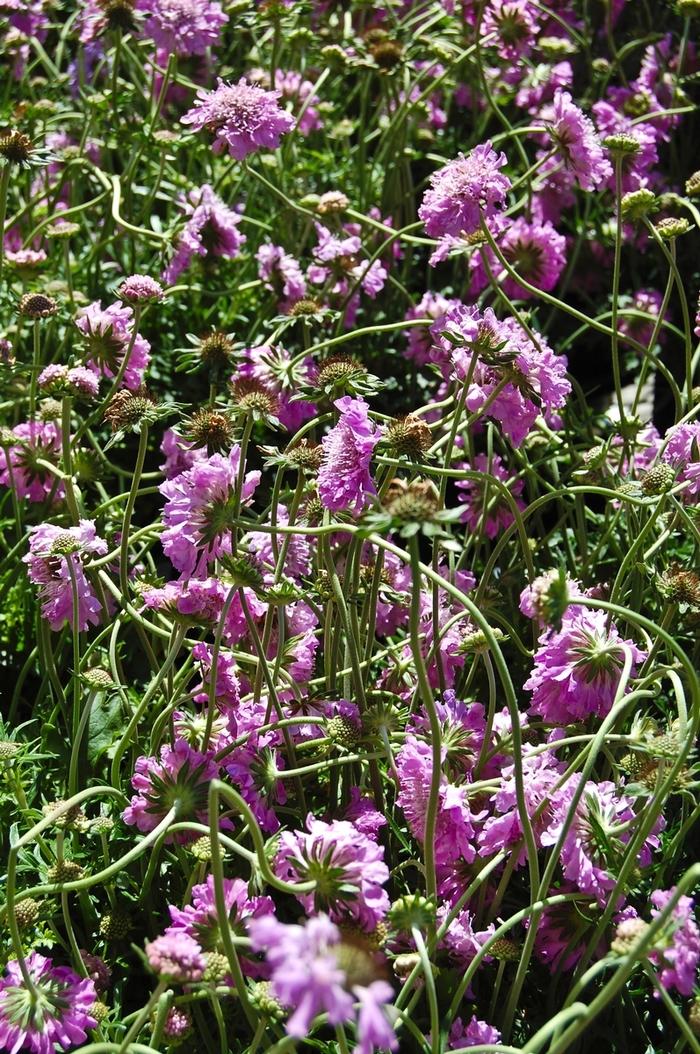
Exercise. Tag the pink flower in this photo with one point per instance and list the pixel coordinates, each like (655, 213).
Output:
(541, 774)
(575, 139)
(344, 478)
(180, 775)
(176, 957)
(348, 865)
(244, 118)
(108, 333)
(197, 512)
(140, 289)
(485, 508)
(463, 192)
(76, 380)
(281, 274)
(682, 451)
(36, 441)
(211, 230)
(179, 454)
(184, 27)
(677, 954)
(55, 558)
(60, 1017)
(512, 25)
(420, 344)
(577, 670)
(535, 250)
(473, 1034)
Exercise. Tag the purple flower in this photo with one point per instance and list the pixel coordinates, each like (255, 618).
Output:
(281, 274)
(636, 168)
(181, 775)
(36, 441)
(176, 957)
(76, 380)
(461, 941)
(679, 954)
(577, 670)
(211, 230)
(535, 250)
(140, 289)
(272, 367)
(244, 118)
(463, 192)
(55, 559)
(184, 27)
(306, 974)
(60, 1017)
(420, 344)
(541, 774)
(682, 451)
(344, 478)
(512, 25)
(199, 506)
(97, 970)
(575, 139)
(108, 333)
(472, 1034)
(348, 867)
(179, 454)
(485, 508)
(374, 1030)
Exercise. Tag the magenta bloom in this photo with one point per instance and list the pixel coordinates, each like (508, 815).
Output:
(176, 957)
(472, 1034)
(535, 250)
(56, 560)
(679, 956)
(107, 336)
(344, 478)
(140, 289)
(200, 503)
(211, 230)
(463, 191)
(36, 440)
(182, 775)
(577, 670)
(512, 25)
(348, 864)
(59, 1019)
(485, 508)
(76, 380)
(184, 27)
(374, 1030)
(503, 829)
(420, 344)
(682, 451)
(281, 273)
(576, 141)
(244, 118)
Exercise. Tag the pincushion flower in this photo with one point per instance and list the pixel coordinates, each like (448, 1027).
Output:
(281, 273)
(180, 775)
(682, 451)
(677, 954)
(463, 192)
(176, 957)
(198, 510)
(211, 230)
(577, 670)
(344, 479)
(75, 380)
(183, 27)
(434, 306)
(108, 334)
(55, 563)
(576, 141)
(348, 868)
(511, 26)
(140, 289)
(473, 1034)
(484, 507)
(32, 441)
(243, 117)
(56, 1016)
(536, 251)
(503, 829)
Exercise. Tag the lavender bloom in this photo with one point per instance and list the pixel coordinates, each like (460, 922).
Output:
(176, 957)
(55, 560)
(374, 1031)
(576, 141)
(682, 451)
(200, 502)
(678, 959)
(473, 1034)
(348, 866)
(485, 507)
(463, 191)
(180, 775)
(140, 289)
(211, 229)
(60, 1017)
(244, 118)
(577, 670)
(183, 27)
(281, 274)
(36, 440)
(108, 333)
(535, 250)
(344, 478)
(76, 380)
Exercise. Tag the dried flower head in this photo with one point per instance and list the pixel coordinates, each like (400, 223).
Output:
(37, 305)
(250, 396)
(129, 410)
(212, 429)
(410, 436)
(332, 202)
(15, 149)
(672, 227)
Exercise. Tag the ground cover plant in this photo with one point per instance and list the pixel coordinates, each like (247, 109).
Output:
(349, 477)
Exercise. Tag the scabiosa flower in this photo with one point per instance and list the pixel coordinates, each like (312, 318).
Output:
(548, 597)
(140, 289)
(55, 561)
(243, 117)
(211, 230)
(197, 513)
(677, 954)
(180, 775)
(648, 302)
(577, 670)
(76, 380)
(473, 1034)
(344, 478)
(279, 377)
(638, 164)
(434, 306)
(484, 507)
(347, 865)
(541, 774)
(282, 274)
(183, 27)
(463, 192)
(58, 1016)
(512, 26)
(535, 250)
(682, 452)
(176, 957)
(179, 454)
(461, 941)
(594, 843)
(108, 333)
(575, 139)
(30, 442)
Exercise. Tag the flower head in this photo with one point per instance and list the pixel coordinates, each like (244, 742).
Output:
(184, 27)
(56, 1015)
(176, 957)
(344, 478)
(211, 230)
(244, 117)
(108, 335)
(180, 776)
(463, 192)
(31, 442)
(55, 561)
(574, 137)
